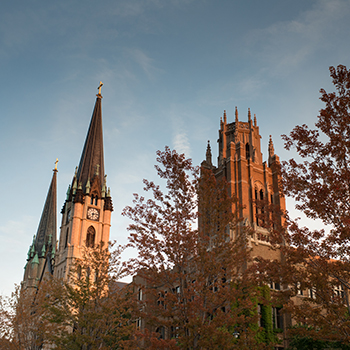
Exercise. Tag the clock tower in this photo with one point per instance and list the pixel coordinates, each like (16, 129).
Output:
(86, 213)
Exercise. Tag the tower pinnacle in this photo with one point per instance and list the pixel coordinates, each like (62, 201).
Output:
(208, 155)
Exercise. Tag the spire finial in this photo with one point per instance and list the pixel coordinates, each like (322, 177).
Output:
(99, 88)
(254, 119)
(236, 114)
(56, 164)
(225, 119)
(249, 115)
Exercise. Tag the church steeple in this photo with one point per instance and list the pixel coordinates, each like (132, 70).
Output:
(48, 222)
(92, 160)
(86, 218)
(41, 252)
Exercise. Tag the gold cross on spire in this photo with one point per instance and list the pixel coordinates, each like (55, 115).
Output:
(99, 88)
(56, 164)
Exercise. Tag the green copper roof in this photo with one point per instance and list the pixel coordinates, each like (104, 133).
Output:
(36, 259)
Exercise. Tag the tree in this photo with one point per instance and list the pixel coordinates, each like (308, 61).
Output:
(317, 265)
(195, 291)
(90, 310)
(21, 322)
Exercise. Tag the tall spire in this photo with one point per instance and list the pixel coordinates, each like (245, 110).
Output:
(92, 159)
(48, 222)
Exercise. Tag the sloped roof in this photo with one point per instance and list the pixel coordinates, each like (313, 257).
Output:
(92, 156)
(48, 221)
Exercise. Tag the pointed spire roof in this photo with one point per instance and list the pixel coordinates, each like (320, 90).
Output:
(48, 222)
(92, 160)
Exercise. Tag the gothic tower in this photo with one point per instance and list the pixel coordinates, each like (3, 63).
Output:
(250, 179)
(41, 253)
(86, 213)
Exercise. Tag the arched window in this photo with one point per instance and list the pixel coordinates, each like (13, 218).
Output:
(66, 238)
(67, 216)
(161, 332)
(90, 237)
(94, 199)
(247, 151)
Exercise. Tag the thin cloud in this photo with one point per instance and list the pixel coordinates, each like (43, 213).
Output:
(146, 63)
(181, 143)
(283, 46)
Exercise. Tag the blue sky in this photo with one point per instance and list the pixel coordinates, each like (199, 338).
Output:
(170, 68)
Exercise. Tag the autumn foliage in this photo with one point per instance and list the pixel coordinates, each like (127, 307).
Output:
(196, 290)
(316, 268)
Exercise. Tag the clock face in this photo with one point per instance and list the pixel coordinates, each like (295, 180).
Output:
(93, 214)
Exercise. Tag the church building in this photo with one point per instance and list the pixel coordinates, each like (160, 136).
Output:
(86, 212)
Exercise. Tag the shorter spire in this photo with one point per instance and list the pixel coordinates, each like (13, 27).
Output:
(236, 114)
(249, 115)
(255, 120)
(225, 119)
